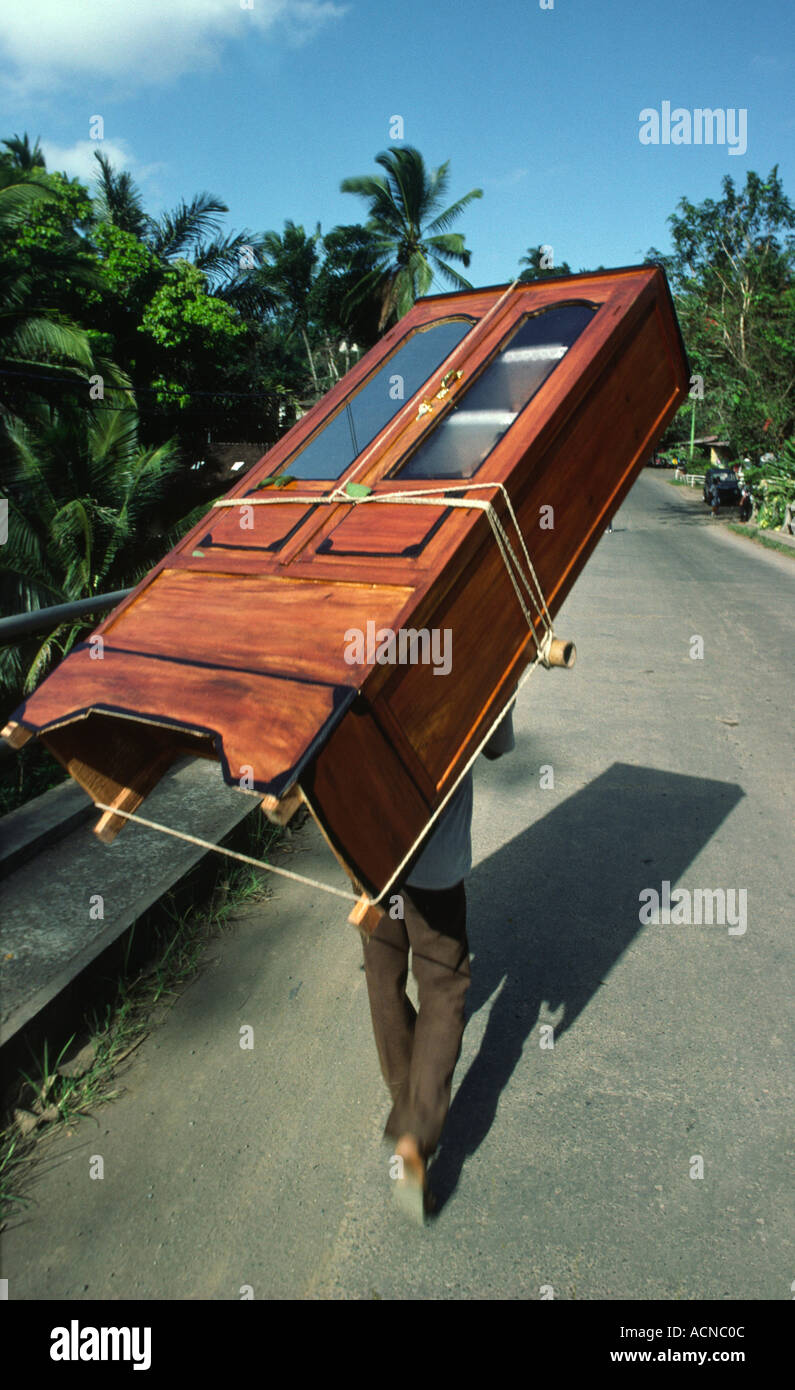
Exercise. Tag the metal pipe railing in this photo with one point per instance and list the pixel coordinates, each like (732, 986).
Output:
(40, 620)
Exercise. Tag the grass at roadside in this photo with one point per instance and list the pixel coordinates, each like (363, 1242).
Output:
(764, 538)
(55, 1090)
(747, 529)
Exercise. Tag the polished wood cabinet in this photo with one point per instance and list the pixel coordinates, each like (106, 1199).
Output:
(305, 633)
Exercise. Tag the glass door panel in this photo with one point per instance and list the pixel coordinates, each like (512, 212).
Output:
(463, 439)
(340, 440)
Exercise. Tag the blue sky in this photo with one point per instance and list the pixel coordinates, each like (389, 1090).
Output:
(268, 104)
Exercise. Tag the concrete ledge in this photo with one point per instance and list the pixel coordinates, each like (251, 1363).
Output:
(66, 906)
(24, 833)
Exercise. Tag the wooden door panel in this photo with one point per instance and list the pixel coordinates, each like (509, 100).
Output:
(369, 806)
(243, 622)
(256, 529)
(259, 722)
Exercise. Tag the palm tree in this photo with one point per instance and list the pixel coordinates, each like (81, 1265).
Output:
(118, 200)
(22, 155)
(290, 264)
(177, 235)
(409, 246)
(173, 234)
(32, 336)
(348, 255)
(84, 498)
(537, 271)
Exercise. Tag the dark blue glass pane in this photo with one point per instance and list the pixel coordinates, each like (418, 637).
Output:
(341, 440)
(463, 439)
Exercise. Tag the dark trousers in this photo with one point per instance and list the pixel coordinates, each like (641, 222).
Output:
(418, 1050)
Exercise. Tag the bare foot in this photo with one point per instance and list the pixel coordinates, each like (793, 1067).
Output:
(410, 1188)
(409, 1150)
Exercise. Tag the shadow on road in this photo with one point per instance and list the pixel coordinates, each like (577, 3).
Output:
(552, 912)
(686, 506)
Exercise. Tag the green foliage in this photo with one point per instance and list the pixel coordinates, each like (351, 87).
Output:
(288, 272)
(193, 333)
(83, 496)
(128, 264)
(536, 269)
(118, 200)
(21, 155)
(773, 483)
(185, 228)
(54, 221)
(349, 255)
(409, 225)
(182, 315)
(731, 273)
(54, 265)
(43, 272)
(173, 308)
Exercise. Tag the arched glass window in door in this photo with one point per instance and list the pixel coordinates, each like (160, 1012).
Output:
(333, 448)
(460, 443)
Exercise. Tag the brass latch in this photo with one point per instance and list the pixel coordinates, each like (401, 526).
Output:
(447, 381)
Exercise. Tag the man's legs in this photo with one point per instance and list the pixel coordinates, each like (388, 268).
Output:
(418, 1051)
(386, 966)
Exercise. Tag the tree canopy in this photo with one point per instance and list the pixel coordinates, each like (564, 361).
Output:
(731, 274)
(409, 227)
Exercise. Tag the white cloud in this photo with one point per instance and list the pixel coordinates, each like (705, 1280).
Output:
(770, 62)
(47, 41)
(506, 180)
(78, 160)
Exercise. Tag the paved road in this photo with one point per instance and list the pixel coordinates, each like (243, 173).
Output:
(567, 1167)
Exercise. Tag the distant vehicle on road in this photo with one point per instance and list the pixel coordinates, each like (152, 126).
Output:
(721, 487)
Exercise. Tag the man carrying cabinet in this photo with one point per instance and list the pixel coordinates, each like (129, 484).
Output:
(418, 1050)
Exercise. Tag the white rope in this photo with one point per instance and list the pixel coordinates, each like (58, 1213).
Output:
(459, 779)
(438, 496)
(230, 853)
(463, 350)
(424, 496)
(302, 878)
(435, 496)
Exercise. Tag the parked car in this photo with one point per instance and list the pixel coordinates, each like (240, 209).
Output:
(721, 487)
